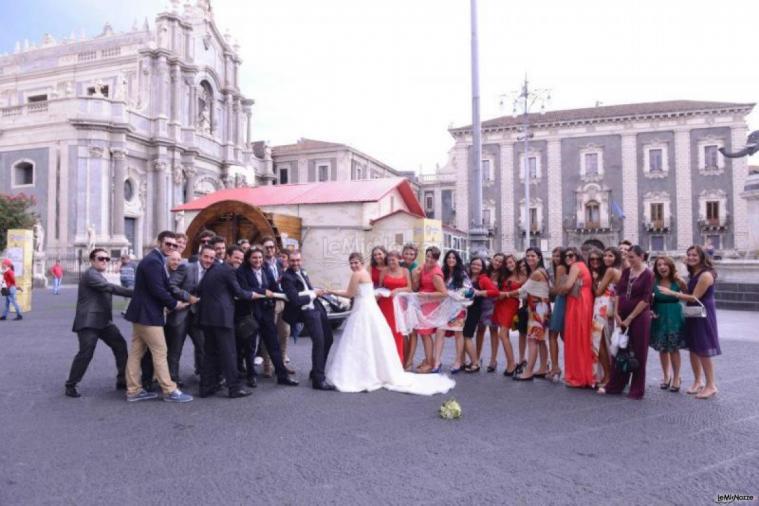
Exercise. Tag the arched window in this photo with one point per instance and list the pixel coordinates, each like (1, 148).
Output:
(592, 214)
(23, 173)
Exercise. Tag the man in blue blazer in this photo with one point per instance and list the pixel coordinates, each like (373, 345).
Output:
(146, 312)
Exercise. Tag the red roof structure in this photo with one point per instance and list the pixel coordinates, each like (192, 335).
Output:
(333, 192)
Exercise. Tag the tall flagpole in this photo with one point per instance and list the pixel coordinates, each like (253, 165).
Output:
(477, 233)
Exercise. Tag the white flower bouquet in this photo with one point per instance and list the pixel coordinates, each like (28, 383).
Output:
(450, 410)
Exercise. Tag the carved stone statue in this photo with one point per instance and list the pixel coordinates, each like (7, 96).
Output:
(90, 237)
(752, 146)
(121, 89)
(39, 238)
(177, 173)
(204, 114)
(99, 88)
(179, 222)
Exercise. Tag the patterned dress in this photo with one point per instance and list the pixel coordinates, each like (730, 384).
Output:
(602, 324)
(538, 313)
(667, 327)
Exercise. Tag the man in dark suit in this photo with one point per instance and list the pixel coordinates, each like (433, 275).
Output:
(94, 320)
(183, 284)
(217, 291)
(303, 306)
(276, 268)
(146, 312)
(255, 277)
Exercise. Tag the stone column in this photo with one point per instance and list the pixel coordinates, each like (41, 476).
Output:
(555, 198)
(229, 138)
(506, 219)
(176, 90)
(684, 202)
(161, 169)
(163, 81)
(739, 172)
(248, 110)
(118, 155)
(630, 228)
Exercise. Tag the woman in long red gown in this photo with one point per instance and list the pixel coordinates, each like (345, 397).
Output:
(578, 350)
(396, 279)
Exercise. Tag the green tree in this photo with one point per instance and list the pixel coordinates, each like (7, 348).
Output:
(16, 211)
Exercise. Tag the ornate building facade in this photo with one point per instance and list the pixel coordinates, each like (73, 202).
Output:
(651, 173)
(110, 133)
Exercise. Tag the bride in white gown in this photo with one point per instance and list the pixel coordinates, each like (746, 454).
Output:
(364, 357)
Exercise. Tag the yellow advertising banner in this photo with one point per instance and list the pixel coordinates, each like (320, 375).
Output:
(19, 250)
(428, 232)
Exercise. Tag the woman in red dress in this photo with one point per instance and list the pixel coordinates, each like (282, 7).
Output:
(379, 264)
(430, 281)
(396, 279)
(578, 349)
(506, 308)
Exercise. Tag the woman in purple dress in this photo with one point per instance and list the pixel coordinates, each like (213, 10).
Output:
(700, 333)
(634, 290)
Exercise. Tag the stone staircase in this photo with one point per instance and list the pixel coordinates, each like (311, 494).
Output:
(739, 296)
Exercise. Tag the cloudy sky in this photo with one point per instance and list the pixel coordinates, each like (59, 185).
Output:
(390, 76)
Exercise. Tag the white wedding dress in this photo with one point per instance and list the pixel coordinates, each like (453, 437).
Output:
(364, 357)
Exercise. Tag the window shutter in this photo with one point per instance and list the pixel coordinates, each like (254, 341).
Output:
(334, 173)
(311, 173)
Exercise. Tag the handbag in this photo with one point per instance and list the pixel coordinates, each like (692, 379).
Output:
(619, 340)
(695, 311)
(626, 362)
(4, 291)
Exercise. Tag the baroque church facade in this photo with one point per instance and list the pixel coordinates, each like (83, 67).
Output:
(110, 133)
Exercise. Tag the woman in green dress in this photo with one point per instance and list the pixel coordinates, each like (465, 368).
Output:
(667, 322)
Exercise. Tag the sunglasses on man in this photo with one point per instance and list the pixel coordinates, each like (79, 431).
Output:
(103, 259)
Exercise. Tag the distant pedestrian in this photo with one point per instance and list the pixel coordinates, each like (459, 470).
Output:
(57, 272)
(127, 271)
(94, 320)
(146, 312)
(9, 290)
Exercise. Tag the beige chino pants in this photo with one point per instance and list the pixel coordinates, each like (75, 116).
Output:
(148, 337)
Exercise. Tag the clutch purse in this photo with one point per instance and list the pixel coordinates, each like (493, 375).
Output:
(695, 311)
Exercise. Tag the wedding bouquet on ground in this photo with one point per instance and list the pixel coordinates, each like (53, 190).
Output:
(450, 410)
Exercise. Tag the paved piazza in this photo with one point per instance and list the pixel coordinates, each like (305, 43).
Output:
(517, 443)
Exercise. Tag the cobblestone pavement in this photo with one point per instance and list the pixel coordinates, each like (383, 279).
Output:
(517, 443)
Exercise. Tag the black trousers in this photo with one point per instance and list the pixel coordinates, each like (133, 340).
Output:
(88, 339)
(175, 338)
(220, 355)
(315, 320)
(267, 330)
(246, 330)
